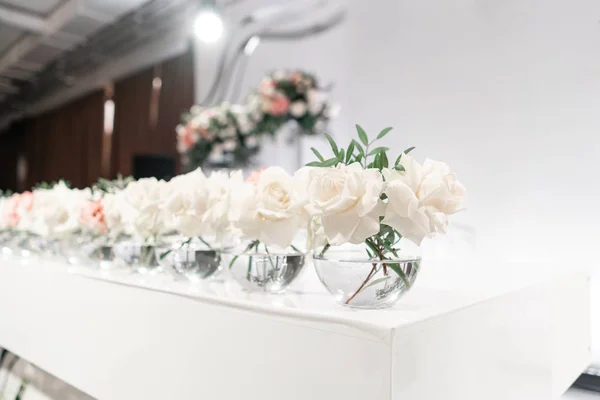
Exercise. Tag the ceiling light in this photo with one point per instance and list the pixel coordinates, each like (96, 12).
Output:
(208, 26)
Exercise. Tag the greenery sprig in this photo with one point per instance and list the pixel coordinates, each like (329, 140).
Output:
(112, 186)
(359, 151)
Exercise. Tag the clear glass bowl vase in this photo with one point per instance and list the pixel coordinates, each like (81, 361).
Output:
(138, 255)
(193, 259)
(261, 269)
(357, 280)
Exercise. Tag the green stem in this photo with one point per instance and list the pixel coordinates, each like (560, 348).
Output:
(166, 253)
(269, 257)
(205, 243)
(325, 248)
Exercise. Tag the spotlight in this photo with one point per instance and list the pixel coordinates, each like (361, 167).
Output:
(208, 26)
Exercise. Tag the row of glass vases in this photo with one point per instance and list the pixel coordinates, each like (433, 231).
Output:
(348, 273)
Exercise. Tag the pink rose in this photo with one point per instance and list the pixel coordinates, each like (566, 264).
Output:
(278, 105)
(93, 216)
(17, 203)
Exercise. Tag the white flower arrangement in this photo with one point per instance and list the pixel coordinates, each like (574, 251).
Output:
(359, 196)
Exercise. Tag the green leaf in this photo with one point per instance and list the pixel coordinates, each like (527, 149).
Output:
(384, 132)
(361, 151)
(332, 144)
(409, 150)
(372, 246)
(384, 159)
(330, 163)
(340, 156)
(378, 150)
(396, 268)
(362, 135)
(378, 161)
(315, 164)
(376, 281)
(399, 168)
(398, 159)
(316, 152)
(349, 152)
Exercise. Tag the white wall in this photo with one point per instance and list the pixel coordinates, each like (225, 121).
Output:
(507, 92)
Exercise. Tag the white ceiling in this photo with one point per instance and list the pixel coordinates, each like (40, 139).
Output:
(34, 33)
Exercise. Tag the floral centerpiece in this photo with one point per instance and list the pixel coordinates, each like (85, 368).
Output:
(284, 96)
(366, 210)
(141, 212)
(197, 210)
(267, 218)
(222, 135)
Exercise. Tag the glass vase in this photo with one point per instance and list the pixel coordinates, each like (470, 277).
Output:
(139, 255)
(193, 259)
(356, 279)
(258, 268)
(75, 247)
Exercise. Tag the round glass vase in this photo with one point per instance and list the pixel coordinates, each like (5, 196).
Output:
(139, 255)
(74, 247)
(41, 246)
(192, 259)
(358, 280)
(258, 268)
(101, 252)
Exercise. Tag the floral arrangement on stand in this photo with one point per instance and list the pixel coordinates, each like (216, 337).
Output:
(222, 135)
(360, 214)
(228, 135)
(285, 96)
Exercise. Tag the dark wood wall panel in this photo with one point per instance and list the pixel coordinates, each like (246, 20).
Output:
(134, 133)
(66, 143)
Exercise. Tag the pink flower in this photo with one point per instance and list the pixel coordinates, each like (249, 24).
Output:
(93, 216)
(278, 105)
(267, 86)
(17, 203)
(186, 138)
(255, 176)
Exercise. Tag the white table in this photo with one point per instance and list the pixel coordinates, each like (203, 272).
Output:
(516, 332)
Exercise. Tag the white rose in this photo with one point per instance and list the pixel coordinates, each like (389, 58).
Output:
(346, 198)
(421, 198)
(229, 145)
(251, 141)
(195, 110)
(228, 132)
(145, 198)
(316, 100)
(298, 108)
(279, 75)
(187, 203)
(266, 210)
(113, 207)
(201, 121)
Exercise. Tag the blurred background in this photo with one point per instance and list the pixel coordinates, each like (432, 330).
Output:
(507, 93)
